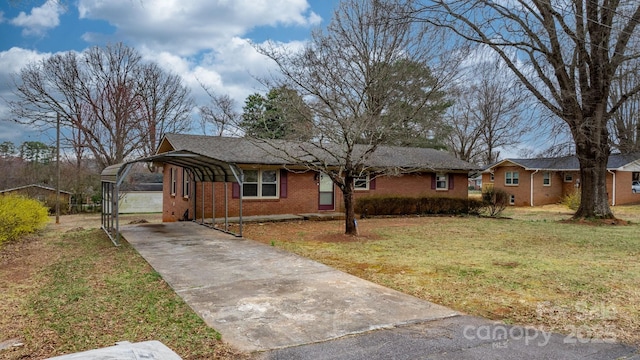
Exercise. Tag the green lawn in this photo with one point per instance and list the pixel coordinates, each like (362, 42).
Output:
(530, 269)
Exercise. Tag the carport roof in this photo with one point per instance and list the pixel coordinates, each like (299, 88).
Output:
(205, 168)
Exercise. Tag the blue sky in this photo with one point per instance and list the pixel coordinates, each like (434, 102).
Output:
(201, 40)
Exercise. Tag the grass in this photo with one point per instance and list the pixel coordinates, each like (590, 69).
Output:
(86, 294)
(530, 269)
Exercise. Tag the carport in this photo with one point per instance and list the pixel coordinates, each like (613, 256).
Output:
(201, 169)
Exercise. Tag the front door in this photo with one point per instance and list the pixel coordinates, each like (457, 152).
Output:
(326, 198)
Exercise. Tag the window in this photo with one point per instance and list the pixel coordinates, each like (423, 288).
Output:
(568, 177)
(512, 200)
(511, 178)
(361, 183)
(546, 178)
(491, 177)
(442, 182)
(185, 183)
(260, 184)
(173, 181)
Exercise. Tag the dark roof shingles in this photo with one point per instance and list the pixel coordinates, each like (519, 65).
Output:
(245, 151)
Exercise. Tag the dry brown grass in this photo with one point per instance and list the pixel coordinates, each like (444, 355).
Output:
(531, 269)
(69, 290)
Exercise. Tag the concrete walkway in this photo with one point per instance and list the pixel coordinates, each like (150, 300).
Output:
(288, 307)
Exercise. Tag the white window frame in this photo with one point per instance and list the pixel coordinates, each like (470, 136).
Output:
(172, 181)
(260, 184)
(442, 178)
(185, 183)
(511, 178)
(512, 199)
(546, 178)
(568, 177)
(361, 179)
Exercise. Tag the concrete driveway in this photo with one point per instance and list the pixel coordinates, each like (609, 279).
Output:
(288, 307)
(262, 298)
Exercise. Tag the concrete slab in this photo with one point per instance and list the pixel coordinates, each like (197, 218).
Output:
(262, 298)
(146, 350)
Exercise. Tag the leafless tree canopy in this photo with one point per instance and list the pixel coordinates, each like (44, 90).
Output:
(349, 77)
(567, 54)
(111, 102)
(625, 123)
(491, 111)
(220, 116)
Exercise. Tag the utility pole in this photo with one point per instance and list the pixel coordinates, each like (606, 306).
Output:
(57, 168)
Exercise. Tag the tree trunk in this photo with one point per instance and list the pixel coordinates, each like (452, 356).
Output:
(349, 205)
(593, 156)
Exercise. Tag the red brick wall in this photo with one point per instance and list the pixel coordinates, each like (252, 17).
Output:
(302, 195)
(554, 194)
(623, 189)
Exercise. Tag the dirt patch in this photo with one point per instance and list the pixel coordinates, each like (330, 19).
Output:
(341, 237)
(596, 222)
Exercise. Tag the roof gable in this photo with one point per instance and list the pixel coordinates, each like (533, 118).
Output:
(33, 186)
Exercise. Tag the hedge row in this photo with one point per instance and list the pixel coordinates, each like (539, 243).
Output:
(19, 216)
(396, 205)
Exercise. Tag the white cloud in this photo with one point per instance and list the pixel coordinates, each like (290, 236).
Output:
(187, 27)
(11, 61)
(40, 19)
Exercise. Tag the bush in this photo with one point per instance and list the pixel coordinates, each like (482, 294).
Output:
(398, 205)
(19, 216)
(572, 201)
(495, 201)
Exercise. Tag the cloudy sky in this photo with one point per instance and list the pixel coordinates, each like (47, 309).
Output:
(202, 40)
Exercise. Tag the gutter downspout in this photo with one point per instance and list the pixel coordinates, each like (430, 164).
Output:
(533, 173)
(613, 197)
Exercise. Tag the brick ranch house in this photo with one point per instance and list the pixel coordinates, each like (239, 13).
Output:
(273, 186)
(542, 181)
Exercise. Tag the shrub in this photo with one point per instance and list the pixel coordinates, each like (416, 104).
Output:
(19, 216)
(572, 200)
(495, 201)
(399, 205)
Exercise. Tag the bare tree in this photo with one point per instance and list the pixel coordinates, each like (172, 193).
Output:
(566, 53)
(464, 139)
(221, 115)
(166, 105)
(349, 78)
(625, 123)
(119, 104)
(492, 112)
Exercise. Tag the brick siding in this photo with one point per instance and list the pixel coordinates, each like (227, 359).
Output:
(302, 195)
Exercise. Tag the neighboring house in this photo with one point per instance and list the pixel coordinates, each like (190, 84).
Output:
(542, 181)
(475, 182)
(273, 186)
(39, 192)
(143, 194)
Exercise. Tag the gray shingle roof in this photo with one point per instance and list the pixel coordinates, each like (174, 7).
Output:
(246, 151)
(569, 163)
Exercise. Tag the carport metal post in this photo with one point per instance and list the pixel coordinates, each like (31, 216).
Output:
(226, 208)
(119, 180)
(203, 197)
(239, 175)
